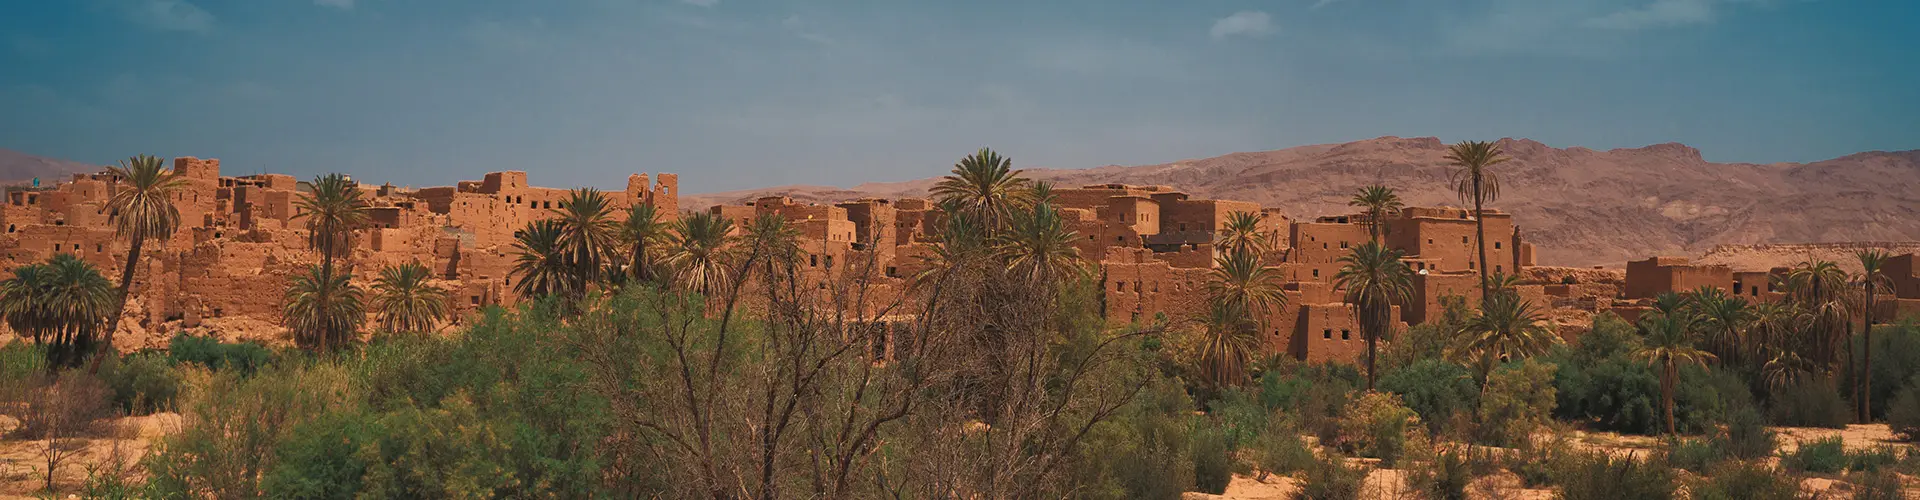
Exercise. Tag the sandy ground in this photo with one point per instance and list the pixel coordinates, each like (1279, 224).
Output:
(117, 441)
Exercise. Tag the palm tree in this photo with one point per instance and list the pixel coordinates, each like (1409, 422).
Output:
(1668, 343)
(1229, 339)
(961, 243)
(405, 302)
(771, 239)
(333, 210)
(984, 186)
(1821, 290)
(1722, 317)
(1872, 264)
(1477, 185)
(1242, 233)
(587, 233)
(541, 268)
(696, 252)
(1506, 328)
(644, 232)
(1375, 279)
(324, 310)
(1380, 202)
(1038, 249)
(64, 303)
(142, 209)
(1239, 282)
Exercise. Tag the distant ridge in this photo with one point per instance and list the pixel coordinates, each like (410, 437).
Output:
(17, 167)
(1580, 206)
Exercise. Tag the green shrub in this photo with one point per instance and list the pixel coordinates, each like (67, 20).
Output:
(1315, 393)
(1330, 478)
(1746, 436)
(1212, 461)
(323, 459)
(1435, 389)
(1239, 417)
(1813, 403)
(1903, 414)
(1882, 485)
(142, 383)
(1694, 455)
(1516, 402)
(234, 426)
(1746, 481)
(1143, 452)
(1896, 361)
(1444, 477)
(244, 357)
(1599, 476)
(1376, 425)
(1540, 464)
(1872, 459)
(1821, 456)
(1281, 451)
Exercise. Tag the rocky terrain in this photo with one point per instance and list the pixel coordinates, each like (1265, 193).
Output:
(17, 167)
(1581, 206)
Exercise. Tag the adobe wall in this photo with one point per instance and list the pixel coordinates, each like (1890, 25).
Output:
(1904, 274)
(1444, 237)
(1651, 277)
(1428, 289)
(1320, 243)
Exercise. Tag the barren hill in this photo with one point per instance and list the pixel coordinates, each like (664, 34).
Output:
(1580, 206)
(16, 167)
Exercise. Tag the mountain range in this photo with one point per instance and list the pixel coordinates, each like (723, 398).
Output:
(1579, 206)
(17, 167)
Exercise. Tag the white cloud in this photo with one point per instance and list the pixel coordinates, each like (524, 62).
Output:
(1324, 3)
(1659, 14)
(1248, 23)
(338, 4)
(171, 15)
(702, 3)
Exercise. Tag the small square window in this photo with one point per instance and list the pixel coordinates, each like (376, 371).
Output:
(1463, 239)
(1496, 245)
(1326, 334)
(1346, 335)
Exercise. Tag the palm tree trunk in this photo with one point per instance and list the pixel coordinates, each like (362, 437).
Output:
(126, 290)
(1866, 357)
(1480, 238)
(326, 280)
(1666, 395)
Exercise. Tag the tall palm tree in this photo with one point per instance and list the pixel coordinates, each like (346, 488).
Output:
(405, 302)
(142, 209)
(643, 231)
(324, 309)
(1506, 328)
(1722, 318)
(1242, 284)
(1822, 292)
(985, 186)
(697, 252)
(333, 210)
(1872, 279)
(961, 243)
(1477, 185)
(1038, 249)
(1380, 202)
(1229, 339)
(64, 303)
(1375, 279)
(1667, 342)
(541, 267)
(1242, 233)
(587, 233)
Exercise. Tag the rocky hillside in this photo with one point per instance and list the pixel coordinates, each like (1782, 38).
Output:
(1582, 207)
(17, 167)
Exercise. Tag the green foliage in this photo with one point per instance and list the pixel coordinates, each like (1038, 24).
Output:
(1746, 481)
(1612, 394)
(1425, 341)
(1600, 476)
(235, 424)
(1330, 478)
(1239, 417)
(1516, 402)
(1872, 459)
(1281, 451)
(1540, 464)
(1882, 485)
(1212, 461)
(244, 357)
(142, 383)
(1435, 389)
(1813, 403)
(1896, 361)
(1143, 452)
(1821, 456)
(323, 460)
(1746, 436)
(1446, 475)
(1903, 415)
(1316, 393)
(1694, 455)
(1376, 425)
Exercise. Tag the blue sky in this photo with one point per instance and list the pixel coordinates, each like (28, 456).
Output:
(745, 93)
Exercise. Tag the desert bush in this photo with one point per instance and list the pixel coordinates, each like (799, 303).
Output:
(1516, 402)
(1903, 413)
(1239, 417)
(1540, 463)
(1694, 455)
(1599, 476)
(1872, 459)
(1434, 389)
(1144, 452)
(1745, 481)
(1881, 485)
(1445, 475)
(1375, 425)
(211, 353)
(1896, 361)
(1280, 449)
(1212, 461)
(233, 425)
(1813, 403)
(1330, 478)
(1821, 456)
(142, 383)
(1316, 394)
(22, 366)
(1746, 436)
